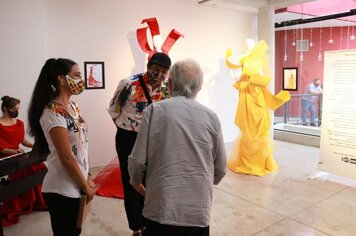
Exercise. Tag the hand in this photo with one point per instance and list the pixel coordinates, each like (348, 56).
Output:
(91, 183)
(90, 192)
(19, 151)
(140, 188)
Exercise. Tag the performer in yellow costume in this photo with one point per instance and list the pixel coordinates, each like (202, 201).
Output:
(253, 152)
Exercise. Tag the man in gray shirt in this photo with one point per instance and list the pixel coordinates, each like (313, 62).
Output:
(180, 151)
(312, 93)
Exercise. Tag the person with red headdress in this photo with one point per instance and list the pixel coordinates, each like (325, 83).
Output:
(126, 109)
(12, 134)
(127, 106)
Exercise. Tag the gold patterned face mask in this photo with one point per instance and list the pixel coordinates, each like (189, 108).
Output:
(76, 86)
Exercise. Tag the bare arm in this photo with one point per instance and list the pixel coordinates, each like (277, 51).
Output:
(27, 143)
(11, 151)
(24, 142)
(315, 91)
(60, 140)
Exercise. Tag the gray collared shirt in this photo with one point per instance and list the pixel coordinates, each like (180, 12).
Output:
(180, 151)
(308, 96)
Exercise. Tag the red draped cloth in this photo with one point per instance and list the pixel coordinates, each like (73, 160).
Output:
(11, 137)
(109, 181)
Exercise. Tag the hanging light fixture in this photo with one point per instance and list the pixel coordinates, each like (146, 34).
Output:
(294, 33)
(301, 57)
(320, 56)
(331, 35)
(311, 38)
(301, 38)
(341, 37)
(285, 45)
(352, 37)
(348, 33)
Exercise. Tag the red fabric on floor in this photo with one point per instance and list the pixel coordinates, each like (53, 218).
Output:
(109, 181)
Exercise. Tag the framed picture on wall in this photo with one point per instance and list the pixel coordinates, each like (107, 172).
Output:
(94, 75)
(290, 78)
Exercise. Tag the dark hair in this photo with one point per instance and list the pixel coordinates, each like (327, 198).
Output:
(9, 102)
(45, 91)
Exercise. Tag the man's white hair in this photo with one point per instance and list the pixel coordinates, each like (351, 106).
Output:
(186, 78)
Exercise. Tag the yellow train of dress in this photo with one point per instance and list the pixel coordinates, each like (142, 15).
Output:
(253, 151)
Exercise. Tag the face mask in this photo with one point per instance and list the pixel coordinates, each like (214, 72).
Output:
(154, 78)
(13, 114)
(76, 86)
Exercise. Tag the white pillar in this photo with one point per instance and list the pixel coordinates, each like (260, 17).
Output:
(266, 32)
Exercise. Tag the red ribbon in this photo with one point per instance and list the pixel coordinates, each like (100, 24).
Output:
(153, 26)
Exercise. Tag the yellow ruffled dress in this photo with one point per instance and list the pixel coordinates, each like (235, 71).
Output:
(253, 151)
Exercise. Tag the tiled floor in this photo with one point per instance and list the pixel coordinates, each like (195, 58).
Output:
(285, 203)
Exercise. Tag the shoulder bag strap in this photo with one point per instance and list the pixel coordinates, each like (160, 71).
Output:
(145, 89)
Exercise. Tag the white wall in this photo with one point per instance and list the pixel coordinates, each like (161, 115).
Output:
(105, 31)
(22, 51)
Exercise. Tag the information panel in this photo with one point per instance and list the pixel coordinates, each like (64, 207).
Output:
(338, 129)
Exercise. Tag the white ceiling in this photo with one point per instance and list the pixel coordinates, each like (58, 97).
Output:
(254, 5)
(247, 4)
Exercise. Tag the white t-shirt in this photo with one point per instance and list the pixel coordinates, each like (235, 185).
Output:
(57, 179)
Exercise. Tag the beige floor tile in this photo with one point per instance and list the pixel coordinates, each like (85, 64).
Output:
(299, 158)
(107, 217)
(233, 216)
(34, 224)
(351, 192)
(286, 196)
(335, 215)
(290, 228)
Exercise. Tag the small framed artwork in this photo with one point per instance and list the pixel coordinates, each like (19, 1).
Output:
(94, 75)
(290, 78)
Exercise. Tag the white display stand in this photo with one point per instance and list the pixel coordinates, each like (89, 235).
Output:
(338, 129)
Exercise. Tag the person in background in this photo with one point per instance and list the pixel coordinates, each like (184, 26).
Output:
(180, 154)
(12, 134)
(309, 98)
(61, 134)
(12, 129)
(126, 109)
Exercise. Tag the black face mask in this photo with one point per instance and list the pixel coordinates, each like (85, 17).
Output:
(13, 114)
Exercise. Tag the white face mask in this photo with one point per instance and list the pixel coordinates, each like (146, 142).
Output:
(76, 86)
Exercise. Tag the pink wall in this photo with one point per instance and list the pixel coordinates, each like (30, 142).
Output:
(310, 67)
